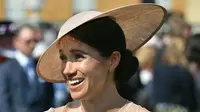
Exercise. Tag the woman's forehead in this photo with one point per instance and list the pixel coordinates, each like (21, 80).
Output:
(68, 44)
(69, 41)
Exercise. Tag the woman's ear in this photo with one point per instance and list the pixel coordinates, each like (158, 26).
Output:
(114, 60)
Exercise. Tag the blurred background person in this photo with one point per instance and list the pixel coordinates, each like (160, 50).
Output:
(193, 55)
(145, 57)
(173, 84)
(21, 89)
(178, 25)
(46, 33)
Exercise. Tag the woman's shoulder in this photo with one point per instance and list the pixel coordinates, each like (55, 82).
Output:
(136, 108)
(71, 106)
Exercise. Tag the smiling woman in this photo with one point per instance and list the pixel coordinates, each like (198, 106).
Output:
(84, 72)
(93, 55)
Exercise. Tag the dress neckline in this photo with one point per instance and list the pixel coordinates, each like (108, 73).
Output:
(122, 109)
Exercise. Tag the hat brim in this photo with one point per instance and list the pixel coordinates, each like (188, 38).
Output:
(139, 23)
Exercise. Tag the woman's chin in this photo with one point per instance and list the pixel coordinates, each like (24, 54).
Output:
(77, 95)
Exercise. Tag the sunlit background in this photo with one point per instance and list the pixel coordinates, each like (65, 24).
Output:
(57, 11)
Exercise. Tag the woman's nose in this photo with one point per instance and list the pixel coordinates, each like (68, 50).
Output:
(69, 68)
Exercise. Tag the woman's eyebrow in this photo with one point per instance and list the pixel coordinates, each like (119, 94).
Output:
(77, 50)
(60, 51)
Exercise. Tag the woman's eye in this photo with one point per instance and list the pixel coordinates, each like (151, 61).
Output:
(63, 58)
(79, 57)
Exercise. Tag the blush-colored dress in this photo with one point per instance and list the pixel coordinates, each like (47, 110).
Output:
(72, 107)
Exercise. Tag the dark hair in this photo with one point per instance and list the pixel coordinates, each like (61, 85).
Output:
(193, 48)
(106, 36)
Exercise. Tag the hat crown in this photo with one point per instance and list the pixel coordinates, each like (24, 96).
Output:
(77, 20)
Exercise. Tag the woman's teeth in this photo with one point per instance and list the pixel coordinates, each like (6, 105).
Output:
(75, 81)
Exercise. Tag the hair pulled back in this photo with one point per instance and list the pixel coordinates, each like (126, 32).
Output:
(105, 35)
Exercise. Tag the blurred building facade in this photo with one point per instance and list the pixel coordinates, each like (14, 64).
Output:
(60, 10)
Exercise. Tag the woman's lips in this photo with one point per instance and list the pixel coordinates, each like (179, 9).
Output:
(75, 83)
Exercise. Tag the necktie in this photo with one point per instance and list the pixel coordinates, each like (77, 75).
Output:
(30, 71)
(33, 91)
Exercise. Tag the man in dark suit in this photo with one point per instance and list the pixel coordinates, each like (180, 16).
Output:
(21, 90)
(193, 56)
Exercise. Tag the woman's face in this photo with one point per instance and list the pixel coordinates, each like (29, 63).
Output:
(85, 71)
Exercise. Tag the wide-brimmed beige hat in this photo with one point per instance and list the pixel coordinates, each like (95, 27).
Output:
(139, 23)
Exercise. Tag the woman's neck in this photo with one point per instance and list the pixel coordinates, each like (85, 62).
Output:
(107, 101)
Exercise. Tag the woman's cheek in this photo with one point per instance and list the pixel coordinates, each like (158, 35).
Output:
(87, 66)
